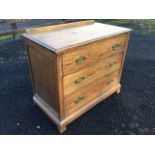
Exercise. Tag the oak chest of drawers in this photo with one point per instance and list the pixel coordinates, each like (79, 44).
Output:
(74, 66)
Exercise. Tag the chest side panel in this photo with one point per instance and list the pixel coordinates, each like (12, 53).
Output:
(43, 72)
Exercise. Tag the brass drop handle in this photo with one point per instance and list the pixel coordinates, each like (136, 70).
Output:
(79, 80)
(109, 81)
(78, 100)
(113, 63)
(80, 59)
(116, 46)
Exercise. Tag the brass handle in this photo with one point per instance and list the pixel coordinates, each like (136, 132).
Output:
(80, 59)
(116, 46)
(113, 63)
(78, 100)
(109, 81)
(79, 80)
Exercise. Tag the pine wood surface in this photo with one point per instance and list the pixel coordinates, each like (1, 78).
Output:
(69, 83)
(61, 37)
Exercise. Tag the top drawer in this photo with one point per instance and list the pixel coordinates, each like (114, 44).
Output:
(78, 58)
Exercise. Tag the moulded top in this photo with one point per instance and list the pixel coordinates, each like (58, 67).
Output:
(61, 37)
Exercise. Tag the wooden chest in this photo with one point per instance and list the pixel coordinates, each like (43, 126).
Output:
(74, 66)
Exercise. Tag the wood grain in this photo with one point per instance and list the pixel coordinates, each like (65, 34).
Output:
(125, 51)
(90, 92)
(111, 63)
(69, 83)
(94, 52)
(43, 73)
(59, 82)
(62, 37)
(58, 27)
(70, 118)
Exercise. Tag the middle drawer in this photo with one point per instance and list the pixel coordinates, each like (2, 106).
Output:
(87, 75)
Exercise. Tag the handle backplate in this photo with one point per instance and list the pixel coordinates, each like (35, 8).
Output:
(109, 81)
(78, 100)
(116, 46)
(79, 80)
(80, 59)
(113, 63)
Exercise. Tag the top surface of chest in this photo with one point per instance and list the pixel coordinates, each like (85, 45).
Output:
(64, 36)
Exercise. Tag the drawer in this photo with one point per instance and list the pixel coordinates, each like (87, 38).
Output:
(83, 96)
(87, 75)
(76, 59)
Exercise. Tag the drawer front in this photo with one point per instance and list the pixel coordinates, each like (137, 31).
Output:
(75, 81)
(81, 97)
(76, 59)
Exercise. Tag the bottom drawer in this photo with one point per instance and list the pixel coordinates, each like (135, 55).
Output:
(84, 95)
